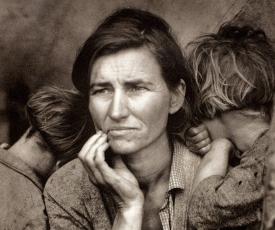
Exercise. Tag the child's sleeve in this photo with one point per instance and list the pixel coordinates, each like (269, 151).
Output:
(269, 201)
(235, 199)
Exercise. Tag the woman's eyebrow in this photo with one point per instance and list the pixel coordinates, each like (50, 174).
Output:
(137, 82)
(99, 84)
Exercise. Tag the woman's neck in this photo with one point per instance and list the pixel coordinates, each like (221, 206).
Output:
(152, 164)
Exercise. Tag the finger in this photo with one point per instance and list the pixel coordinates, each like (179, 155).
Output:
(109, 174)
(99, 142)
(199, 137)
(193, 131)
(95, 176)
(88, 160)
(92, 147)
(100, 153)
(202, 144)
(95, 156)
(88, 144)
(99, 159)
(121, 183)
(204, 150)
(118, 162)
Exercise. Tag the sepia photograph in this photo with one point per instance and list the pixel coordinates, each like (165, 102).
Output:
(137, 114)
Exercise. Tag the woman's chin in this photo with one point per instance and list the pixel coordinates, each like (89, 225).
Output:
(123, 147)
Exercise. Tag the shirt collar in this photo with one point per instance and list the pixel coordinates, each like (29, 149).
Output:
(176, 180)
(16, 164)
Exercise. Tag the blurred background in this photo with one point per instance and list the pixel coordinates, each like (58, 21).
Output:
(39, 39)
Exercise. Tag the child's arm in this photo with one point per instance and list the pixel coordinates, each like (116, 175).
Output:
(215, 162)
(235, 199)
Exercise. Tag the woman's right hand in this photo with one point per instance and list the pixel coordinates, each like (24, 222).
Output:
(118, 179)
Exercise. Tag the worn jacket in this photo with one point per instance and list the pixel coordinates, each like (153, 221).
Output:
(236, 199)
(21, 198)
(73, 202)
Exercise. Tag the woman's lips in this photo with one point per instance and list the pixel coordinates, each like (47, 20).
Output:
(120, 131)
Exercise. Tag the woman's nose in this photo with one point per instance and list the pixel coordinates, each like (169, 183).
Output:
(119, 106)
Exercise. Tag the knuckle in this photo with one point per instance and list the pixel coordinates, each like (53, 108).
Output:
(90, 161)
(205, 149)
(192, 131)
(201, 135)
(205, 142)
(195, 130)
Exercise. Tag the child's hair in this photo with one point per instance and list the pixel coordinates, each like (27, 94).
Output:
(233, 69)
(61, 118)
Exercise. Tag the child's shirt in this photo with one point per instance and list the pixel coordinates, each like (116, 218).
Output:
(235, 199)
(269, 201)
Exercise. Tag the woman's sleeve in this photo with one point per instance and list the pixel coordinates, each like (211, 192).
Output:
(61, 217)
(64, 210)
(235, 199)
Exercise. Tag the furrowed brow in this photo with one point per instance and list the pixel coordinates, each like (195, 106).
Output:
(99, 84)
(137, 82)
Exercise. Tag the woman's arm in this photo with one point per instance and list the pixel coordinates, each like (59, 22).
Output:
(124, 186)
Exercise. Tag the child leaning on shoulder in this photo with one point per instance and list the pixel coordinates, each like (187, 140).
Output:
(234, 70)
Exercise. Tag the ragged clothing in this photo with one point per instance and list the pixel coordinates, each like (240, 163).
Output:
(236, 199)
(21, 197)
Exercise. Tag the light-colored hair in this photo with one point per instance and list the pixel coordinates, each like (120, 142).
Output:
(233, 69)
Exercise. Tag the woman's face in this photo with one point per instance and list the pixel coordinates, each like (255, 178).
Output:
(129, 100)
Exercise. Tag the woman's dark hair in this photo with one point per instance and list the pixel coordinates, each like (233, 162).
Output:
(58, 115)
(233, 69)
(134, 28)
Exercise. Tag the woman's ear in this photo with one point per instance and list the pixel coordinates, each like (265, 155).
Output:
(177, 98)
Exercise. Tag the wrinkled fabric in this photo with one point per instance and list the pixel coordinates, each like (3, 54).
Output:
(73, 202)
(269, 201)
(236, 199)
(21, 198)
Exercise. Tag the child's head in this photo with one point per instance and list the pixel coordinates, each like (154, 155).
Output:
(233, 69)
(58, 116)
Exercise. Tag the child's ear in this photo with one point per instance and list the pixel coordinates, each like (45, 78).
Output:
(177, 98)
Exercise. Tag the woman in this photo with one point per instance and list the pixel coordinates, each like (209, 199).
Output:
(138, 90)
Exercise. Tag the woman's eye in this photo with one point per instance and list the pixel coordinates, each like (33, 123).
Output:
(100, 91)
(137, 89)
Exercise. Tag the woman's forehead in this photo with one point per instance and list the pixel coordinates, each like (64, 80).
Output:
(127, 65)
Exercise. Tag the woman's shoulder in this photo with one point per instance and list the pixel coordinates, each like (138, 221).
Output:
(73, 200)
(180, 146)
(71, 180)
(72, 171)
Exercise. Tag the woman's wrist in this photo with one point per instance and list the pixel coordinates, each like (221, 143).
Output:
(131, 212)
(129, 218)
